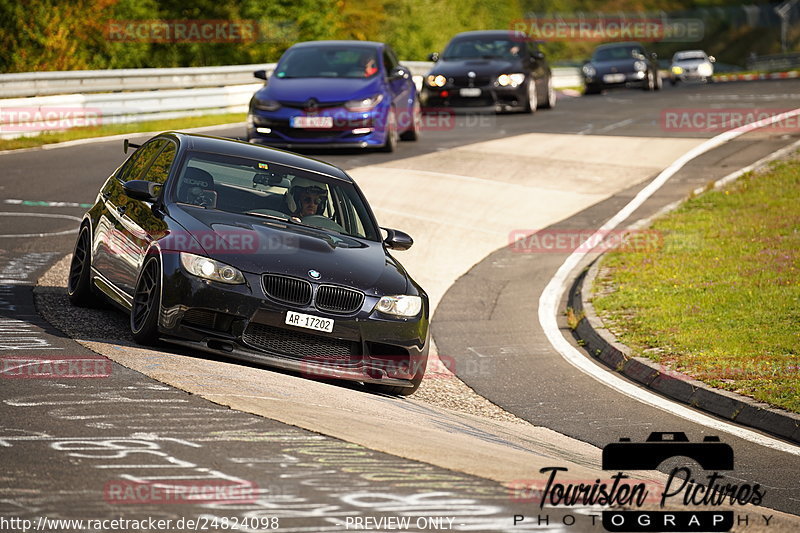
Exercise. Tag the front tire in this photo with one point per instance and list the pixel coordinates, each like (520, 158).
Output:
(533, 99)
(147, 303)
(391, 133)
(79, 283)
(413, 133)
(550, 103)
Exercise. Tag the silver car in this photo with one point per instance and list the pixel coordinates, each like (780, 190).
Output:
(691, 65)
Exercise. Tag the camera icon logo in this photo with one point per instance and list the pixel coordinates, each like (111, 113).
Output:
(711, 454)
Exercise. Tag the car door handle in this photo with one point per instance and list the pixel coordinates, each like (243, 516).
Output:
(121, 209)
(106, 195)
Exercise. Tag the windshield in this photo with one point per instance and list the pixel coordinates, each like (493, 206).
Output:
(487, 48)
(328, 62)
(264, 189)
(618, 53)
(687, 56)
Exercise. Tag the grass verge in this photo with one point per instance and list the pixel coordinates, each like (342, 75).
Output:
(720, 299)
(117, 129)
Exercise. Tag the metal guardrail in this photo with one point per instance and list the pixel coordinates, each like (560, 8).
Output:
(44, 101)
(774, 62)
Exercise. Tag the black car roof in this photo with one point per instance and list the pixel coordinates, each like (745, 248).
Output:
(509, 34)
(219, 145)
(614, 45)
(364, 44)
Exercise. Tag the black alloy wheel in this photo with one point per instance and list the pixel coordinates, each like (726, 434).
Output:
(147, 303)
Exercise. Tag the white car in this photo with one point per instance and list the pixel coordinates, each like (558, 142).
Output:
(691, 65)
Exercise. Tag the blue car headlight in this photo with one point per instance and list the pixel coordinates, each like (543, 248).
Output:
(362, 105)
(206, 268)
(266, 105)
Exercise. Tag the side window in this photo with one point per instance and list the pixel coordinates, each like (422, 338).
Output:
(159, 170)
(138, 161)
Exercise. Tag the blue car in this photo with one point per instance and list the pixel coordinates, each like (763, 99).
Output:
(335, 94)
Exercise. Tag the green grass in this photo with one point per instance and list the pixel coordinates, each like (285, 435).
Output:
(117, 129)
(720, 299)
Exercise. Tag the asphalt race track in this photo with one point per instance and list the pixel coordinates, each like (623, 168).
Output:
(316, 454)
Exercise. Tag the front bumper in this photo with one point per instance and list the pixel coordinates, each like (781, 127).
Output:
(616, 79)
(490, 97)
(242, 322)
(349, 130)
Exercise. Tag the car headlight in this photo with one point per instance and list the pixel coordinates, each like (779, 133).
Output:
(436, 80)
(206, 268)
(266, 105)
(639, 66)
(402, 305)
(589, 70)
(511, 80)
(677, 70)
(361, 105)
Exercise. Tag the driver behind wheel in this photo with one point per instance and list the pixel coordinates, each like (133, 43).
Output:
(197, 188)
(306, 197)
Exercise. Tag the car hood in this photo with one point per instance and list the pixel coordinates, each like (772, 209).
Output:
(619, 65)
(481, 67)
(690, 63)
(262, 245)
(324, 90)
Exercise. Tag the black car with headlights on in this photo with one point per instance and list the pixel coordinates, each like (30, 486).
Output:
(254, 253)
(498, 70)
(621, 65)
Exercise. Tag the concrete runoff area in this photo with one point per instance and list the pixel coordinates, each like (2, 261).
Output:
(455, 224)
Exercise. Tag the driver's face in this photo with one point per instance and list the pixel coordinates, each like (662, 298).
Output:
(309, 203)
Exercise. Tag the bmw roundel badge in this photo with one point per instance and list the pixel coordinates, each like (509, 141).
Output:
(314, 274)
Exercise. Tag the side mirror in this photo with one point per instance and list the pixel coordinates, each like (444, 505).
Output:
(260, 74)
(538, 55)
(399, 73)
(397, 240)
(141, 190)
(127, 144)
(654, 56)
(712, 59)
(433, 56)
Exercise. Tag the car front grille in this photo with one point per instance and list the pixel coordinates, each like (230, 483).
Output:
(464, 81)
(305, 106)
(296, 344)
(338, 299)
(286, 289)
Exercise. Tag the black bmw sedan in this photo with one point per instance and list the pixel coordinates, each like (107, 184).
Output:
(499, 70)
(621, 65)
(254, 253)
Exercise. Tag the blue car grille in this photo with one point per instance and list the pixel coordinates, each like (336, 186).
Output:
(319, 105)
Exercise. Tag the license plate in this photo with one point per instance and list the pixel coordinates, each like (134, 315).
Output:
(309, 321)
(311, 122)
(614, 78)
(469, 92)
